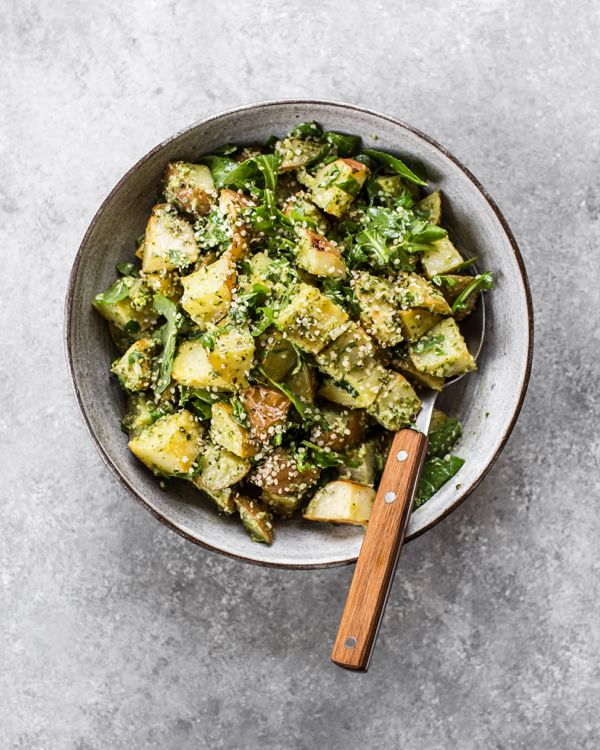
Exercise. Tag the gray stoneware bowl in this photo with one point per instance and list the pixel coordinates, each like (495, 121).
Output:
(487, 402)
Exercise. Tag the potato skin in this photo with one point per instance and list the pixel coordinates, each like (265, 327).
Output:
(265, 408)
(279, 475)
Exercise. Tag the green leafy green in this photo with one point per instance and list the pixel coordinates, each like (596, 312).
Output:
(115, 293)
(310, 129)
(345, 144)
(267, 217)
(168, 309)
(349, 186)
(227, 149)
(429, 343)
(268, 165)
(428, 234)
(127, 269)
(465, 264)
(198, 400)
(396, 165)
(220, 167)
(238, 412)
(266, 316)
(304, 409)
(342, 293)
(443, 281)
(480, 282)
(309, 456)
(444, 437)
(262, 168)
(436, 472)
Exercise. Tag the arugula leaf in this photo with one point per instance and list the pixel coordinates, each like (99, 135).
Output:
(263, 165)
(220, 166)
(304, 409)
(226, 149)
(375, 241)
(267, 218)
(466, 264)
(442, 439)
(365, 159)
(340, 292)
(430, 233)
(127, 269)
(258, 292)
(396, 164)
(311, 455)
(198, 400)
(238, 413)
(115, 293)
(168, 309)
(436, 472)
(481, 281)
(344, 143)
(267, 165)
(266, 318)
(443, 280)
(310, 129)
(349, 186)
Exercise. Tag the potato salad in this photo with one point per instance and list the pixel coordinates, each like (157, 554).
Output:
(285, 304)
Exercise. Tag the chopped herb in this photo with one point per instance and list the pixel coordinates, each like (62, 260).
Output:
(428, 344)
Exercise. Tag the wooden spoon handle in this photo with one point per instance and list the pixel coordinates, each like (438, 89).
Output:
(380, 551)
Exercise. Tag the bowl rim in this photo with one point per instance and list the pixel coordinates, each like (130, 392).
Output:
(69, 321)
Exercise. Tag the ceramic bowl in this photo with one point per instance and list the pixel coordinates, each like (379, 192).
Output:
(487, 402)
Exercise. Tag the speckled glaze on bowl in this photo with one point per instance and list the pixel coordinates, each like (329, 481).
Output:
(487, 402)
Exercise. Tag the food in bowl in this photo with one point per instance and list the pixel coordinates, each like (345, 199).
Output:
(289, 299)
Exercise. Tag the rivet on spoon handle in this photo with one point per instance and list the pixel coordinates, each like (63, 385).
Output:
(380, 551)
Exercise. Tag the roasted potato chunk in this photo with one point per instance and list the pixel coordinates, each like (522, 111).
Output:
(266, 409)
(207, 292)
(342, 501)
(190, 187)
(169, 241)
(226, 432)
(257, 521)
(279, 475)
(311, 319)
(318, 256)
(442, 351)
(170, 445)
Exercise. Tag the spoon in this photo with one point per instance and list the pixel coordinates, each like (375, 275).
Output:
(380, 550)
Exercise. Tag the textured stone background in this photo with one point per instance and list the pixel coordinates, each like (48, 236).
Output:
(114, 632)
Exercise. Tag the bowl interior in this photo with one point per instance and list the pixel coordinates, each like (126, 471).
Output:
(487, 402)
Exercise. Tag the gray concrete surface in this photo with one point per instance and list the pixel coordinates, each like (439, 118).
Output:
(114, 632)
